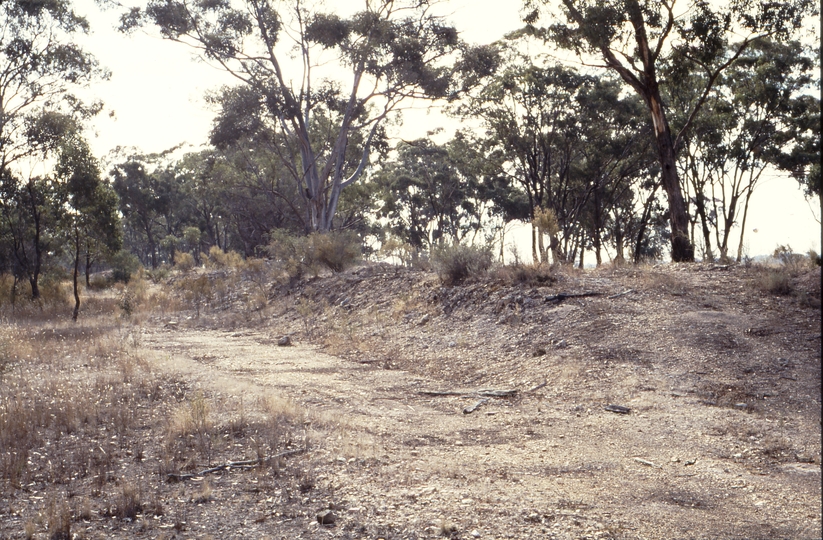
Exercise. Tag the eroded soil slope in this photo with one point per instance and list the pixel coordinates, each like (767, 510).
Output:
(721, 378)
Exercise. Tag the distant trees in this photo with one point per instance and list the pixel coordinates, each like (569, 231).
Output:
(635, 37)
(388, 52)
(760, 116)
(40, 64)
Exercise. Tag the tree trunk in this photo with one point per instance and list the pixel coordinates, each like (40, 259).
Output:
(704, 223)
(682, 248)
(743, 225)
(76, 272)
(88, 268)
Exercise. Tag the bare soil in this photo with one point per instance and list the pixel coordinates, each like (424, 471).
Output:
(721, 380)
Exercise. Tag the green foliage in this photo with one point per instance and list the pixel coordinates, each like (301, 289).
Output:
(430, 193)
(289, 253)
(455, 263)
(123, 266)
(323, 138)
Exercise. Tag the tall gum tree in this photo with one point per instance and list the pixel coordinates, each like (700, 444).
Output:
(301, 62)
(39, 66)
(633, 37)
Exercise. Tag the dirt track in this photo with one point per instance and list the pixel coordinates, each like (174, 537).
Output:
(541, 464)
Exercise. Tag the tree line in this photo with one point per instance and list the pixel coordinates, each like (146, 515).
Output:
(652, 143)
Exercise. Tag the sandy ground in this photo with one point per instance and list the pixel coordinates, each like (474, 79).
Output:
(722, 439)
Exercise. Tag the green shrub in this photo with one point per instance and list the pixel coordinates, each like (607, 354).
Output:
(123, 266)
(289, 254)
(456, 263)
(297, 255)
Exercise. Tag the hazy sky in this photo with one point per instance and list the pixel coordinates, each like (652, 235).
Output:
(156, 94)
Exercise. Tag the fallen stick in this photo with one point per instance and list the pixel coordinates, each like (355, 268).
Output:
(481, 393)
(471, 408)
(538, 387)
(647, 463)
(438, 393)
(621, 294)
(245, 464)
(563, 296)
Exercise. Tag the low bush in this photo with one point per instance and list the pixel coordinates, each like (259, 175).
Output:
(295, 256)
(218, 258)
(526, 274)
(776, 282)
(183, 261)
(457, 263)
(336, 250)
(123, 266)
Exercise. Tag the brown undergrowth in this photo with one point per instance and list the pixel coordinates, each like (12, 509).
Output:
(92, 436)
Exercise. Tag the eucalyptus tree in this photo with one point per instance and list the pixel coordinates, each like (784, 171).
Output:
(30, 210)
(152, 204)
(633, 38)
(89, 218)
(761, 117)
(354, 70)
(427, 197)
(616, 159)
(40, 65)
(530, 114)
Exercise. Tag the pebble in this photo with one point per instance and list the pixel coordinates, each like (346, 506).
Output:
(326, 517)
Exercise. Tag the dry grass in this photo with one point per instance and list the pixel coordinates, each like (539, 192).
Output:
(89, 430)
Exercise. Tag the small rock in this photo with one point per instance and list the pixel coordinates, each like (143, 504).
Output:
(539, 352)
(803, 458)
(562, 344)
(284, 341)
(326, 517)
(475, 533)
(740, 405)
(424, 319)
(452, 344)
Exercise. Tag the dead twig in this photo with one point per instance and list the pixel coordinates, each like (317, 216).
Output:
(471, 408)
(538, 387)
(618, 295)
(482, 393)
(563, 296)
(245, 465)
(647, 463)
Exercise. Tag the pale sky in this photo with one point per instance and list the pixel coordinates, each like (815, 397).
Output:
(156, 95)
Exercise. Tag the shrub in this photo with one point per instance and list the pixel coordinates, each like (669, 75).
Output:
(295, 255)
(159, 274)
(220, 259)
(289, 254)
(183, 261)
(776, 282)
(456, 263)
(123, 265)
(336, 250)
(527, 274)
(793, 262)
